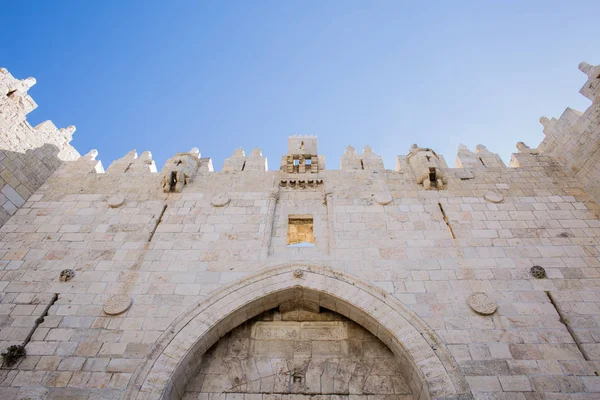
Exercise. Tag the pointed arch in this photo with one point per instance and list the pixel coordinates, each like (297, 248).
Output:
(428, 366)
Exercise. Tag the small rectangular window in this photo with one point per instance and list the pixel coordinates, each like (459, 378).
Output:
(300, 231)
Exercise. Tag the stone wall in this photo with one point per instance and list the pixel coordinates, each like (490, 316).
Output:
(28, 155)
(167, 263)
(574, 138)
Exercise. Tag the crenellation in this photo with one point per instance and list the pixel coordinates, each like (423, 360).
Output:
(131, 164)
(255, 162)
(416, 283)
(590, 89)
(481, 158)
(368, 160)
(236, 162)
(86, 164)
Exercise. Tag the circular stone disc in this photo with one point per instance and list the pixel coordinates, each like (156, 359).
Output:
(220, 200)
(117, 304)
(116, 201)
(538, 272)
(383, 198)
(493, 197)
(482, 303)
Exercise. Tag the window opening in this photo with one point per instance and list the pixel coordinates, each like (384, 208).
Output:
(300, 231)
(482, 163)
(243, 165)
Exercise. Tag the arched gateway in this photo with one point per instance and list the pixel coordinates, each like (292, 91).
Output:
(426, 364)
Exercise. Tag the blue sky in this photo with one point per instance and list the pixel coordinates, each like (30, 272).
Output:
(217, 75)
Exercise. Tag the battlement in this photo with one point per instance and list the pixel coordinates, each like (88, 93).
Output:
(28, 155)
(574, 138)
(423, 282)
(571, 140)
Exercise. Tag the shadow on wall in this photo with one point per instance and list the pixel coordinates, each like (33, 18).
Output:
(21, 174)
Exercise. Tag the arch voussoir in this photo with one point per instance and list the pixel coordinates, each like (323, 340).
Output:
(166, 372)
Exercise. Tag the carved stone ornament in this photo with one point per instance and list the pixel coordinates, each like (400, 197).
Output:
(116, 201)
(493, 197)
(481, 303)
(66, 275)
(538, 272)
(117, 304)
(298, 273)
(300, 183)
(383, 198)
(220, 200)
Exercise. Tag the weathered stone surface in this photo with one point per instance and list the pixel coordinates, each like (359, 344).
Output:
(117, 304)
(297, 357)
(398, 276)
(220, 200)
(383, 198)
(115, 201)
(493, 197)
(482, 303)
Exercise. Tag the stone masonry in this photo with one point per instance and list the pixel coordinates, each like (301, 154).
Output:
(302, 283)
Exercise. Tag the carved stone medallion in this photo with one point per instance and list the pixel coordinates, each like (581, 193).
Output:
(493, 197)
(66, 275)
(482, 303)
(220, 200)
(298, 273)
(116, 201)
(538, 272)
(117, 304)
(383, 198)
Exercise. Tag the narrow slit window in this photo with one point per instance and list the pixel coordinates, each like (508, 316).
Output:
(482, 163)
(300, 231)
(243, 165)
